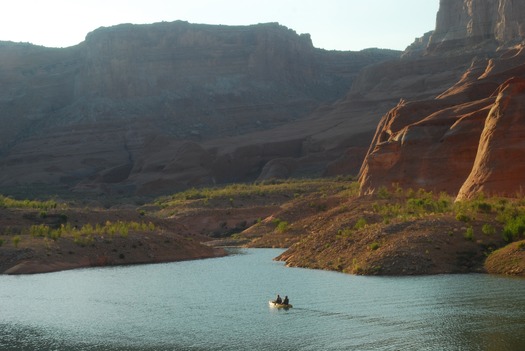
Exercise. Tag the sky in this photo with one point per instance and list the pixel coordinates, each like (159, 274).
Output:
(332, 24)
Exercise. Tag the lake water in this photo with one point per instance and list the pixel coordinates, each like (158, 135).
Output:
(222, 304)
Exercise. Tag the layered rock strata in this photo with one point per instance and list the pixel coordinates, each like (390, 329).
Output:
(467, 23)
(469, 138)
(154, 108)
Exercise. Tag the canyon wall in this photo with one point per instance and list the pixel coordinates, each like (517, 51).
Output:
(468, 139)
(467, 23)
(150, 109)
(157, 108)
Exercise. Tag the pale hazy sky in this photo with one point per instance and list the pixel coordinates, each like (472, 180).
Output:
(333, 24)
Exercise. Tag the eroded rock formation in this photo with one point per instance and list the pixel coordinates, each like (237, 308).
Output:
(499, 167)
(469, 138)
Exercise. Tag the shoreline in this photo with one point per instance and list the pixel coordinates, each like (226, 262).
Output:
(137, 248)
(37, 267)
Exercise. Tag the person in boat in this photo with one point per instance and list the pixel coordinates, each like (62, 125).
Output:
(278, 299)
(286, 301)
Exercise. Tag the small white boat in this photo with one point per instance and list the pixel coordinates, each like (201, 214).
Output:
(279, 305)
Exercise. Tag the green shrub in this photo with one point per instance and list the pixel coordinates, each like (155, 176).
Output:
(83, 240)
(383, 193)
(1, 242)
(514, 228)
(469, 234)
(409, 193)
(374, 246)
(282, 226)
(428, 205)
(462, 217)
(488, 229)
(40, 230)
(360, 224)
(484, 207)
(8, 202)
(344, 232)
(16, 240)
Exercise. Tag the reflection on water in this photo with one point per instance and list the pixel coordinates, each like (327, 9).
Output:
(222, 304)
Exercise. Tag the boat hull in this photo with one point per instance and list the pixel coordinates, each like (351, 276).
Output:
(279, 305)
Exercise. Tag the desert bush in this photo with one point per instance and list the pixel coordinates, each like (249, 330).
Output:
(82, 240)
(8, 202)
(462, 217)
(40, 230)
(469, 234)
(344, 232)
(374, 246)
(351, 189)
(488, 229)
(88, 230)
(16, 240)
(383, 193)
(282, 227)
(514, 227)
(427, 205)
(484, 207)
(360, 224)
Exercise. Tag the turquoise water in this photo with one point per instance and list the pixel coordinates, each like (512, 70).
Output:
(222, 304)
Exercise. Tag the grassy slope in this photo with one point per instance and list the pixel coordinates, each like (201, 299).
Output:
(326, 225)
(323, 222)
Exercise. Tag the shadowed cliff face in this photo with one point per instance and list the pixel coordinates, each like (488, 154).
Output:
(469, 138)
(153, 108)
(461, 23)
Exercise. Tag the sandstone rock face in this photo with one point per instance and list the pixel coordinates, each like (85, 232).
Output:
(153, 108)
(470, 22)
(499, 167)
(466, 140)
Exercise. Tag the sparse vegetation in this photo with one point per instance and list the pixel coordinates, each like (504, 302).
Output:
(84, 234)
(7, 202)
(16, 240)
(337, 229)
(469, 234)
(345, 232)
(374, 246)
(360, 224)
(488, 229)
(282, 227)
(514, 227)
(290, 188)
(463, 217)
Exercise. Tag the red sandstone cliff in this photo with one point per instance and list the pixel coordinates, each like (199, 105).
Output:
(466, 24)
(155, 108)
(469, 138)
